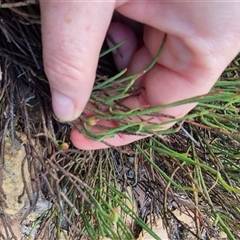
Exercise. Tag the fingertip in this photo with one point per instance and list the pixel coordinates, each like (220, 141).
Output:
(64, 106)
(83, 143)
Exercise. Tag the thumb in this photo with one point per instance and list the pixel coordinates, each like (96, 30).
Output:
(72, 35)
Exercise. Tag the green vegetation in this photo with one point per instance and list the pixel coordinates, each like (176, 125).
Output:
(119, 192)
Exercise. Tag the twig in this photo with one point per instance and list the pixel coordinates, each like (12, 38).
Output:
(17, 4)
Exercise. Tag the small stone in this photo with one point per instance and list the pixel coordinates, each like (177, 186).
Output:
(12, 186)
(12, 176)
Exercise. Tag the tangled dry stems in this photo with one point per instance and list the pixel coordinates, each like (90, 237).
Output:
(195, 170)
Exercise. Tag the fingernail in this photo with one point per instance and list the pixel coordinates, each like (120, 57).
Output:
(63, 106)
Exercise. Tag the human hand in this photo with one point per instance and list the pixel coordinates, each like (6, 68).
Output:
(202, 38)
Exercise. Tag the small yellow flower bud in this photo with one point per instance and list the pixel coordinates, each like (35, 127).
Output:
(63, 146)
(92, 121)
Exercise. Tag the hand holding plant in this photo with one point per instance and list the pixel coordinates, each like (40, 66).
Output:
(202, 38)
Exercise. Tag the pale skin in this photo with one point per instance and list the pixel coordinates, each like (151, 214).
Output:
(202, 39)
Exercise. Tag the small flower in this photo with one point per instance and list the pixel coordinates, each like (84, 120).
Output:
(63, 146)
(92, 121)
